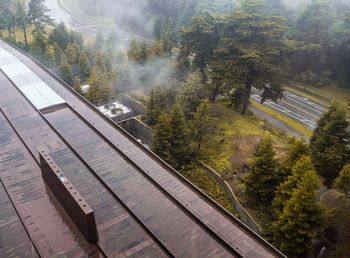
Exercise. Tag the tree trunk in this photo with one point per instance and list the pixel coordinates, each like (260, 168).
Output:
(246, 98)
(25, 34)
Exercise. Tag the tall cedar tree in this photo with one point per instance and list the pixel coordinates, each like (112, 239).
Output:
(302, 219)
(162, 138)
(38, 14)
(180, 150)
(261, 180)
(330, 143)
(342, 182)
(285, 189)
(244, 49)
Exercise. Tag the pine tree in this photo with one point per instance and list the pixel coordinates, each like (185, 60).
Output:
(285, 189)
(83, 64)
(302, 219)
(38, 14)
(155, 106)
(330, 146)
(342, 182)
(180, 150)
(162, 138)
(71, 53)
(261, 180)
(191, 94)
(99, 86)
(296, 149)
(201, 124)
(65, 69)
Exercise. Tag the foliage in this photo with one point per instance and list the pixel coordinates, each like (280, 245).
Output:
(285, 189)
(162, 138)
(180, 143)
(342, 182)
(302, 219)
(330, 143)
(261, 180)
(201, 126)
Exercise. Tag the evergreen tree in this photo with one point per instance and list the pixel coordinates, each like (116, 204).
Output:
(19, 15)
(342, 182)
(39, 42)
(191, 94)
(65, 69)
(38, 14)
(71, 53)
(285, 189)
(99, 86)
(302, 219)
(162, 138)
(155, 106)
(180, 150)
(49, 57)
(330, 143)
(261, 180)
(296, 149)
(83, 64)
(201, 124)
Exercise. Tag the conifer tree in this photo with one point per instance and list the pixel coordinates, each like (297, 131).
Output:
(65, 69)
(342, 182)
(38, 14)
(191, 94)
(261, 180)
(83, 64)
(302, 219)
(284, 190)
(201, 124)
(155, 106)
(71, 54)
(179, 141)
(162, 138)
(99, 86)
(296, 149)
(330, 146)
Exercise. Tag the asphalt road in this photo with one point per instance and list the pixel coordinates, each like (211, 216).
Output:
(297, 107)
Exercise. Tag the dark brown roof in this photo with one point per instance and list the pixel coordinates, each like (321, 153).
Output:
(142, 207)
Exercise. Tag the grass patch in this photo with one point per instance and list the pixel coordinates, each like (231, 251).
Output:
(235, 137)
(292, 123)
(207, 184)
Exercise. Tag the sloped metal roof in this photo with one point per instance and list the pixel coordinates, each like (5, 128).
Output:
(31, 86)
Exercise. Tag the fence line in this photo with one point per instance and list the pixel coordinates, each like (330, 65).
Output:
(244, 216)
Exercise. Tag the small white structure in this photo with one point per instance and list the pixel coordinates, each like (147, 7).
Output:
(85, 89)
(116, 111)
